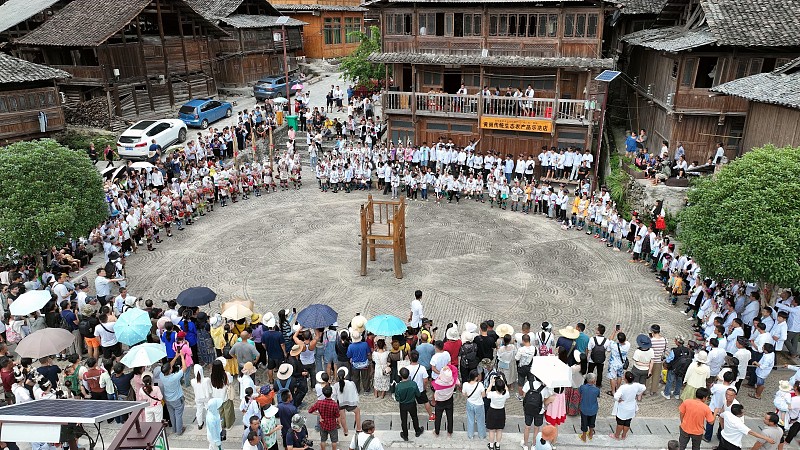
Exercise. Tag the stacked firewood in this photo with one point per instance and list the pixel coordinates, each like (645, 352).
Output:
(91, 113)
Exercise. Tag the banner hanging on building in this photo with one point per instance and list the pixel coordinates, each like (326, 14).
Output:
(516, 124)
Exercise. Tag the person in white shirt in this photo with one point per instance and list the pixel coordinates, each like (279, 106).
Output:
(780, 331)
(735, 429)
(108, 340)
(123, 301)
(439, 359)
(718, 157)
(588, 158)
(365, 439)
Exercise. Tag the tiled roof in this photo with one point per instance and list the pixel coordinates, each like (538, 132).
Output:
(754, 23)
(496, 61)
(251, 21)
(15, 70)
(780, 87)
(89, 23)
(671, 39)
(633, 7)
(13, 12)
(219, 10)
(302, 8)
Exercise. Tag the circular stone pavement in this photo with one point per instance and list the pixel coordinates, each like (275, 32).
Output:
(294, 248)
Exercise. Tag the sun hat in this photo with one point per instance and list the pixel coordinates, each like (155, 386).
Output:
(181, 335)
(452, 333)
(295, 350)
(701, 356)
(467, 336)
(248, 368)
(445, 378)
(255, 318)
(643, 342)
(215, 320)
(343, 369)
(504, 329)
(298, 422)
(319, 376)
(358, 323)
(268, 320)
(784, 386)
(471, 327)
(569, 332)
(271, 411)
(549, 432)
(486, 363)
(285, 371)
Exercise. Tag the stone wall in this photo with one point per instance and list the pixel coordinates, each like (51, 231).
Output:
(642, 196)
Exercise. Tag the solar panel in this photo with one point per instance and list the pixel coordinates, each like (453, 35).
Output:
(607, 75)
(67, 411)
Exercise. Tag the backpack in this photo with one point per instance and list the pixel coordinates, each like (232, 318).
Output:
(532, 402)
(598, 351)
(680, 364)
(468, 356)
(545, 349)
(85, 327)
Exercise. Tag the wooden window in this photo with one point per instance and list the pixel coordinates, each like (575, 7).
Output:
(448, 24)
(580, 25)
(471, 24)
(427, 24)
(502, 28)
(437, 126)
(397, 24)
(493, 19)
(352, 25)
(707, 72)
(569, 25)
(522, 25)
(755, 65)
(512, 25)
(3, 107)
(552, 25)
(476, 24)
(591, 26)
(456, 128)
(467, 28)
(689, 67)
(332, 30)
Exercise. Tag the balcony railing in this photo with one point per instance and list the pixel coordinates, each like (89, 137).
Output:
(565, 111)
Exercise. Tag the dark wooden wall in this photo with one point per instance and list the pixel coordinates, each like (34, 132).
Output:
(19, 112)
(771, 124)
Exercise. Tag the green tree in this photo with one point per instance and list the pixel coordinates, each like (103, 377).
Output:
(49, 194)
(356, 67)
(744, 222)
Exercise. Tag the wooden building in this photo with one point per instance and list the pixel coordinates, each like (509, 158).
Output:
(329, 23)
(432, 47)
(20, 17)
(773, 113)
(144, 57)
(254, 45)
(693, 46)
(30, 104)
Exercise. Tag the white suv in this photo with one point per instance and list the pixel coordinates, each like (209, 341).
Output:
(134, 143)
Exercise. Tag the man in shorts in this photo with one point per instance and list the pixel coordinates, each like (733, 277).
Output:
(328, 411)
(86, 326)
(535, 419)
(108, 340)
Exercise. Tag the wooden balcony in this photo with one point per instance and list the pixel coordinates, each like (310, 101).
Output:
(83, 74)
(565, 112)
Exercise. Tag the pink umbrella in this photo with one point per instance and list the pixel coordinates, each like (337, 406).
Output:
(297, 87)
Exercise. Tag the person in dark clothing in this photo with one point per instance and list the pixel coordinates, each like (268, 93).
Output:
(405, 393)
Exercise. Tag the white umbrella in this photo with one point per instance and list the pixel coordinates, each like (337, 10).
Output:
(280, 100)
(29, 302)
(236, 311)
(551, 371)
(142, 165)
(45, 342)
(144, 355)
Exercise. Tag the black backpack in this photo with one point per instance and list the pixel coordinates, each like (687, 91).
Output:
(533, 401)
(599, 351)
(683, 359)
(85, 327)
(468, 356)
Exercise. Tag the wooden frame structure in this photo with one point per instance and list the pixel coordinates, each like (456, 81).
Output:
(384, 229)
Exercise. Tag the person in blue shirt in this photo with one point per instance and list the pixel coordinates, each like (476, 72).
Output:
(358, 354)
(426, 351)
(170, 384)
(188, 326)
(286, 410)
(588, 406)
(630, 144)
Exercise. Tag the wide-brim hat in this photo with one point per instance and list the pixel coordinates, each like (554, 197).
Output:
(255, 318)
(355, 336)
(296, 350)
(466, 336)
(569, 332)
(298, 422)
(319, 376)
(643, 342)
(215, 320)
(248, 368)
(271, 411)
(549, 433)
(471, 327)
(452, 333)
(784, 386)
(343, 369)
(268, 320)
(701, 356)
(285, 371)
(504, 329)
(358, 323)
(445, 378)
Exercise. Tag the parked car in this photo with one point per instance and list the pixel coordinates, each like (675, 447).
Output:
(273, 86)
(200, 112)
(134, 143)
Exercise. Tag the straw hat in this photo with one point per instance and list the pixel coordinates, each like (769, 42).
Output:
(255, 318)
(549, 433)
(296, 350)
(784, 386)
(569, 332)
(355, 336)
(319, 376)
(452, 333)
(358, 323)
(285, 371)
(268, 320)
(248, 368)
(504, 329)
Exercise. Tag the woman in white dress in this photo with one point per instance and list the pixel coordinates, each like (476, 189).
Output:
(348, 399)
(382, 369)
(626, 402)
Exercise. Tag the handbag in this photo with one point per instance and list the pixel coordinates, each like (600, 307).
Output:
(625, 362)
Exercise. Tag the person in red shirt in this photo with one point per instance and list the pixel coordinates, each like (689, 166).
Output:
(7, 376)
(452, 344)
(328, 411)
(92, 378)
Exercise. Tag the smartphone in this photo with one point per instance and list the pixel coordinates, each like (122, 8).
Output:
(618, 327)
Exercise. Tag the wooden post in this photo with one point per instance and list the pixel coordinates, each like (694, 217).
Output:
(144, 62)
(167, 77)
(185, 58)
(363, 215)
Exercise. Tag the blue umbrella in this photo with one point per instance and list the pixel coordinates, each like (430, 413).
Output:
(386, 325)
(317, 316)
(143, 355)
(133, 326)
(196, 296)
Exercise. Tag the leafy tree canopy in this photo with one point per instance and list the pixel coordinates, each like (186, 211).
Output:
(744, 222)
(356, 67)
(48, 194)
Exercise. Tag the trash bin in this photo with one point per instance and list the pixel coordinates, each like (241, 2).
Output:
(279, 117)
(291, 121)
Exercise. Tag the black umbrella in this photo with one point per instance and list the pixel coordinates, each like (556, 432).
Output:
(196, 296)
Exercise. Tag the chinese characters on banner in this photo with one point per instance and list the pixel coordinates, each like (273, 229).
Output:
(514, 124)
